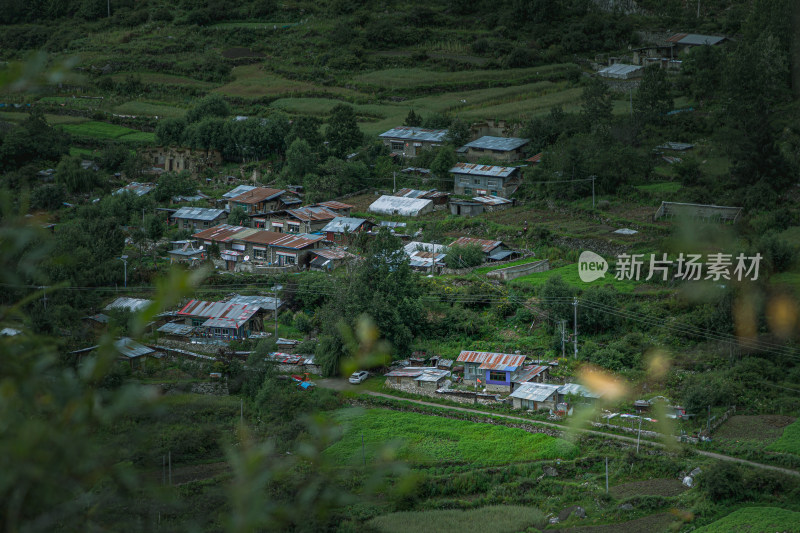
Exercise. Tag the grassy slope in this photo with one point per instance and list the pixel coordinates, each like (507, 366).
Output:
(569, 273)
(789, 442)
(752, 519)
(427, 439)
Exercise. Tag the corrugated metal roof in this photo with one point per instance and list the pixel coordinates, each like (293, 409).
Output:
(678, 147)
(261, 237)
(99, 317)
(491, 200)
(198, 213)
(131, 349)
(395, 205)
(220, 232)
(311, 213)
(139, 189)
(620, 71)
(264, 302)
(487, 246)
(534, 392)
(432, 374)
(241, 189)
(333, 253)
(499, 255)
(535, 158)
(695, 39)
(285, 358)
(528, 373)
(220, 314)
(505, 360)
(415, 134)
(343, 224)
(297, 242)
(176, 328)
(493, 171)
(259, 194)
(407, 372)
(392, 224)
(503, 144)
(128, 304)
(333, 204)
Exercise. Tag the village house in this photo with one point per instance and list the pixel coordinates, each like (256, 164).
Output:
(327, 259)
(139, 189)
(686, 41)
(485, 180)
(409, 141)
(493, 370)
(437, 197)
(621, 71)
(128, 350)
(258, 201)
(395, 205)
(195, 218)
(420, 380)
(341, 209)
(493, 250)
(185, 252)
(342, 229)
(535, 396)
(530, 374)
(223, 320)
(176, 331)
(570, 393)
(131, 305)
(499, 148)
(301, 220)
(425, 256)
(294, 250)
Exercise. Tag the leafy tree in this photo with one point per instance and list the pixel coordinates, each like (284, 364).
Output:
(343, 134)
(238, 217)
(307, 129)
(412, 119)
(596, 106)
(153, 230)
(556, 296)
(208, 134)
(49, 197)
(169, 131)
(701, 71)
(70, 174)
(335, 177)
(212, 106)
(299, 159)
(445, 160)
(653, 98)
(113, 156)
(594, 308)
(134, 166)
(722, 481)
(468, 255)
(437, 121)
(458, 133)
(173, 184)
(34, 139)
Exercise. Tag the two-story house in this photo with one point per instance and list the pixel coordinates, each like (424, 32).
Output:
(198, 218)
(485, 180)
(258, 200)
(409, 141)
(302, 220)
(493, 370)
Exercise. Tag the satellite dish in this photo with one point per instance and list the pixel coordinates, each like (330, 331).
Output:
(247, 258)
(201, 247)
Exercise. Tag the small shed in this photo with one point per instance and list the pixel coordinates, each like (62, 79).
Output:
(467, 208)
(621, 71)
(178, 331)
(535, 396)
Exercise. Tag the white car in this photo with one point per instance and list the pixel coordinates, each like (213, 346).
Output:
(359, 376)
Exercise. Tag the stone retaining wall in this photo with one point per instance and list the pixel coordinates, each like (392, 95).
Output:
(516, 271)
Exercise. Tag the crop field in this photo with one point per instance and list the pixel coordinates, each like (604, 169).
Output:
(753, 519)
(72, 103)
(660, 187)
(16, 117)
(422, 79)
(789, 441)
(503, 518)
(649, 487)
(761, 428)
(104, 130)
(136, 108)
(424, 439)
(253, 81)
(655, 523)
(164, 79)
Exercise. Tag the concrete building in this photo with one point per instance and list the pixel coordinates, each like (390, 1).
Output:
(485, 180)
(198, 218)
(409, 142)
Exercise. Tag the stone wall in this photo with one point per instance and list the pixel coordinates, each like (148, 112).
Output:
(462, 271)
(516, 271)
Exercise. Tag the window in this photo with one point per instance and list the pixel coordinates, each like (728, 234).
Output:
(294, 228)
(205, 223)
(397, 146)
(464, 180)
(476, 181)
(467, 190)
(493, 193)
(497, 376)
(492, 183)
(259, 254)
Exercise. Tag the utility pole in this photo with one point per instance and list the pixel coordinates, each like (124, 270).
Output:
(575, 327)
(563, 332)
(606, 475)
(124, 259)
(394, 181)
(275, 294)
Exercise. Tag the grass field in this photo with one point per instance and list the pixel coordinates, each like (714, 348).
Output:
(761, 428)
(15, 117)
(661, 187)
(135, 107)
(164, 79)
(503, 518)
(253, 81)
(569, 274)
(789, 441)
(653, 523)
(424, 439)
(755, 519)
(104, 130)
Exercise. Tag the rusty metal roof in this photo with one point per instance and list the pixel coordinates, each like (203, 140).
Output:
(333, 204)
(131, 349)
(220, 314)
(492, 361)
(488, 199)
(262, 237)
(528, 373)
(487, 246)
(297, 242)
(311, 213)
(221, 232)
(257, 195)
(474, 169)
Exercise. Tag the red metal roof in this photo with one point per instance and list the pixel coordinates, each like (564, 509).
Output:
(492, 360)
(530, 372)
(257, 195)
(312, 213)
(333, 204)
(487, 246)
(219, 314)
(220, 232)
(535, 159)
(263, 237)
(297, 242)
(677, 37)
